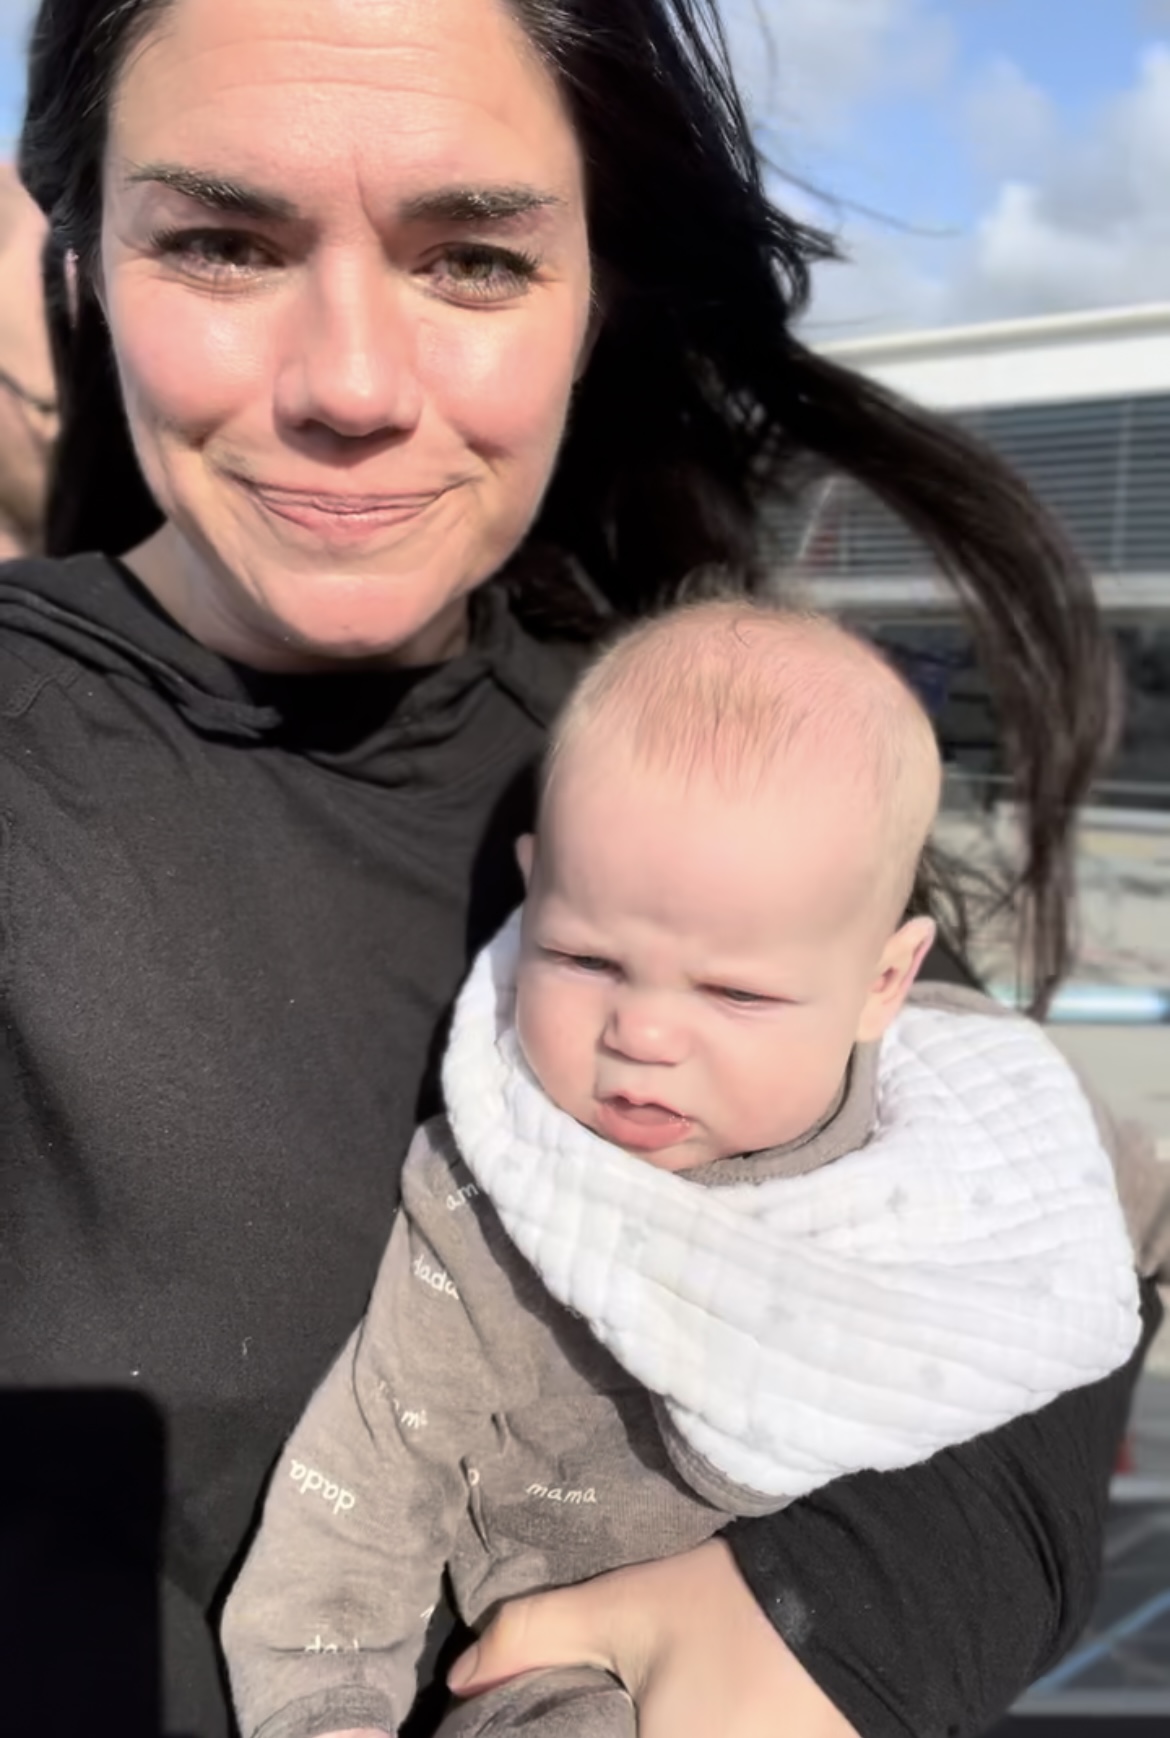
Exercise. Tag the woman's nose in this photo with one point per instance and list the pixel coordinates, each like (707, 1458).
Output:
(351, 356)
(643, 1028)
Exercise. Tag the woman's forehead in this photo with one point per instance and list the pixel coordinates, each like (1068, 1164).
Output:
(297, 91)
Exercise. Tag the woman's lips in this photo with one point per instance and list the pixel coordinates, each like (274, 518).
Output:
(644, 1128)
(342, 518)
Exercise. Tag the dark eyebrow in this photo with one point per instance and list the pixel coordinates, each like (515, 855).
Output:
(460, 205)
(216, 192)
(476, 204)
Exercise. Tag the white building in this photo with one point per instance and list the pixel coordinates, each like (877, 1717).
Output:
(1080, 405)
(1118, 353)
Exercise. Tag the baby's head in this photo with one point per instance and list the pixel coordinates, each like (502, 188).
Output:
(734, 808)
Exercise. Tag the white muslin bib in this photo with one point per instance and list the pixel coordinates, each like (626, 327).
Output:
(968, 1264)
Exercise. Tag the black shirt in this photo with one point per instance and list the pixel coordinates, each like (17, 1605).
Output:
(234, 909)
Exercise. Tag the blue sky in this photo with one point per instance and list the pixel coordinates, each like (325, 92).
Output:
(1016, 153)
(15, 16)
(1019, 150)
(914, 149)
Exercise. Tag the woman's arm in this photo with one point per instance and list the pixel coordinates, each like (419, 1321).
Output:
(925, 1601)
(685, 1637)
(915, 1604)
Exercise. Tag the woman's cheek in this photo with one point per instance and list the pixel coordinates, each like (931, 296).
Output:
(187, 362)
(504, 379)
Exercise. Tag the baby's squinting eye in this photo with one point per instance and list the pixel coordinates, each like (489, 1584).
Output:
(582, 962)
(741, 998)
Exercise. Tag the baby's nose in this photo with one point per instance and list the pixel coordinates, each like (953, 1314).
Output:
(643, 1029)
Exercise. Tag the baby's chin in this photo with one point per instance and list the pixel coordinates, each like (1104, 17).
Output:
(673, 1159)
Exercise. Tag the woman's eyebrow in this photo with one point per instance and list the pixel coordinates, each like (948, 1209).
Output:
(217, 192)
(476, 204)
(460, 205)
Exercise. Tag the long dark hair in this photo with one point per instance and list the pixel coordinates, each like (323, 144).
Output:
(699, 406)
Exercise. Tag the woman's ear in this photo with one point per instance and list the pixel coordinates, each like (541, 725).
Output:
(901, 958)
(526, 855)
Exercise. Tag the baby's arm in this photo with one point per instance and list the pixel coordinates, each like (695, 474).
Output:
(325, 1626)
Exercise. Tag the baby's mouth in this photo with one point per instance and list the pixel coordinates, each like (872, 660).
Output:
(640, 1126)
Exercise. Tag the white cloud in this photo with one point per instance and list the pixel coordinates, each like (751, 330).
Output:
(879, 285)
(812, 71)
(1009, 120)
(1077, 215)
(808, 66)
(1088, 223)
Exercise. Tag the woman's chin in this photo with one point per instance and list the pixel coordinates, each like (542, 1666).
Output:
(394, 629)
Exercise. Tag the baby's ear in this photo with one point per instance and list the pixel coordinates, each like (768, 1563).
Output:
(526, 855)
(901, 958)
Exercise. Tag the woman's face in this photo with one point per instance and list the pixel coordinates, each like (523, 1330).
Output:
(345, 266)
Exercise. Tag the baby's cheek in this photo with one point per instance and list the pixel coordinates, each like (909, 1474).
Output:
(536, 1018)
(554, 1028)
(784, 1088)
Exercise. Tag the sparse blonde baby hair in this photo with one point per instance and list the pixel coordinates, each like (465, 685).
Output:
(733, 690)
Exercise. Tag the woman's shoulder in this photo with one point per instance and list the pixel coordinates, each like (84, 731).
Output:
(37, 597)
(66, 626)
(43, 597)
(56, 577)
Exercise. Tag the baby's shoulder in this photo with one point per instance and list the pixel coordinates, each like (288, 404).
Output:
(435, 1177)
(976, 1047)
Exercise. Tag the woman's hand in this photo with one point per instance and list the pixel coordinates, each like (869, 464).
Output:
(684, 1636)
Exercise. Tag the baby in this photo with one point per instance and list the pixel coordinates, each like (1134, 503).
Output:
(718, 1213)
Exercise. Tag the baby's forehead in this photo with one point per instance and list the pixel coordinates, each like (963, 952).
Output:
(706, 771)
(609, 797)
(719, 866)
(798, 725)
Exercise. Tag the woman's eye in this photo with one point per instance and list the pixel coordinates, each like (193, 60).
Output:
(213, 252)
(475, 272)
